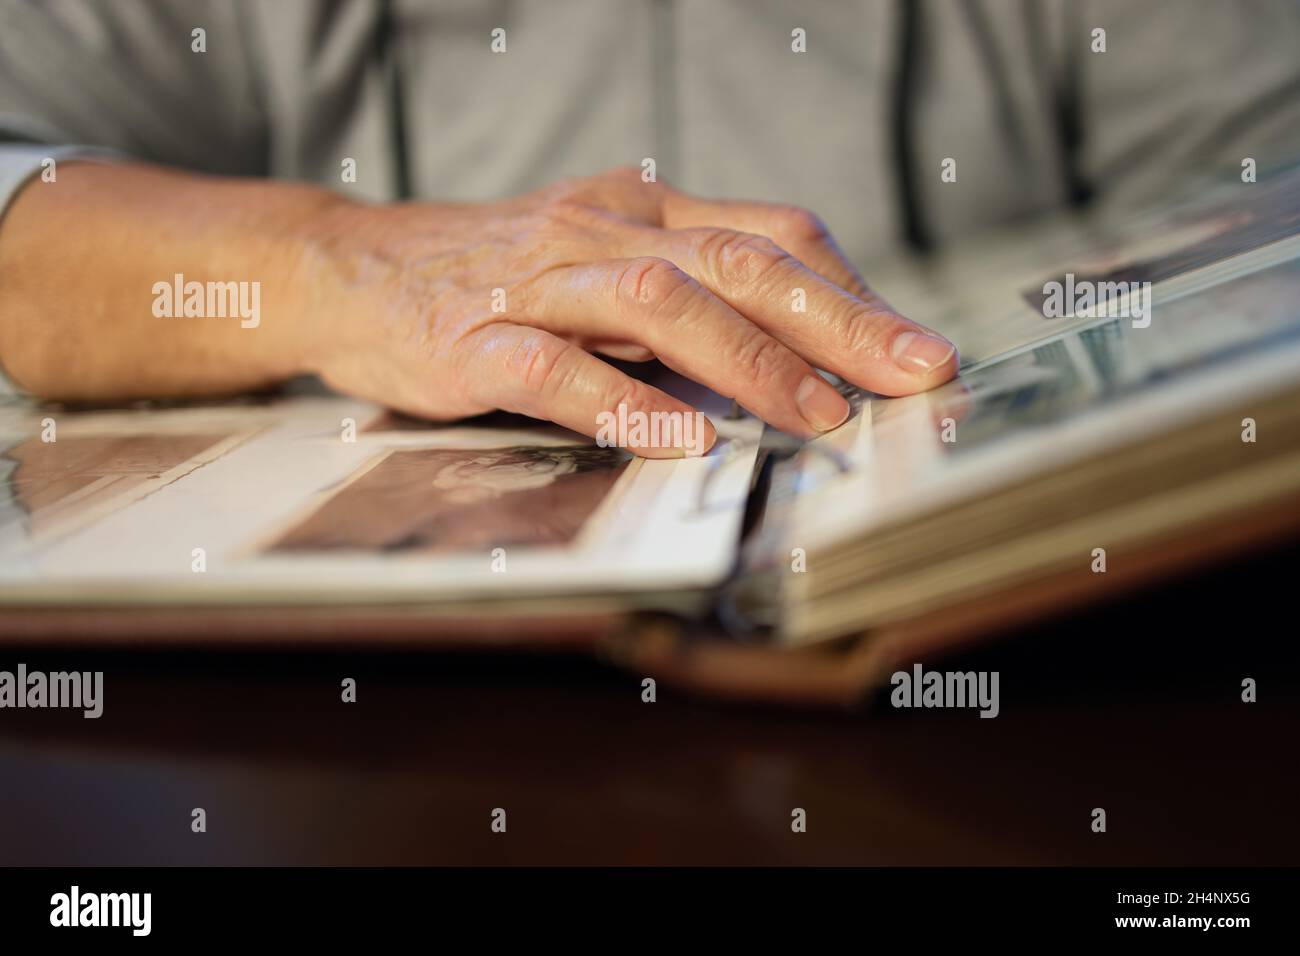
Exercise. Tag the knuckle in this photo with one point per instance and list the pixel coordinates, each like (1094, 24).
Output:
(863, 329)
(760, 358)
(567, 208)
(576, 214)
(631, 394)
(799, 225)
(539, 364)
(648, 284)
(742, 257)
(625, 173)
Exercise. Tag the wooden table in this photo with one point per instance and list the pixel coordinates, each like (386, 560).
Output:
(1133, 707)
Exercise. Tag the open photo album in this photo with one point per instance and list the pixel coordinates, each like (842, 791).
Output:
(1129, 403)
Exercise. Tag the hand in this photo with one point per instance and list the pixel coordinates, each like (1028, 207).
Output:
(450, 310)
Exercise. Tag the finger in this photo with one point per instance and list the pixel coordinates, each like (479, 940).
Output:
(621, 351)
(655, 304)
(532, 372)
(802, 233)
(861, 340)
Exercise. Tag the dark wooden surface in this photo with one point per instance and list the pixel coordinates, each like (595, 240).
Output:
(1133, 707)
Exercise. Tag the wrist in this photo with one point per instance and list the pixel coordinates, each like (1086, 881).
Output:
(312, 301)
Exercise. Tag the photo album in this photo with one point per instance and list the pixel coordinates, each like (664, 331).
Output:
(1103, 427)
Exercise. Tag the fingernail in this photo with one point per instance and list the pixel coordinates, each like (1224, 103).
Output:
(821, 406)
(916, 352)
(705, 437)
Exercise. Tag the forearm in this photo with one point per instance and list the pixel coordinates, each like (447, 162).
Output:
(88, 283)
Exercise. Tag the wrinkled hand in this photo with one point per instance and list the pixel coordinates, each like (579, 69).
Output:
(450, 310)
